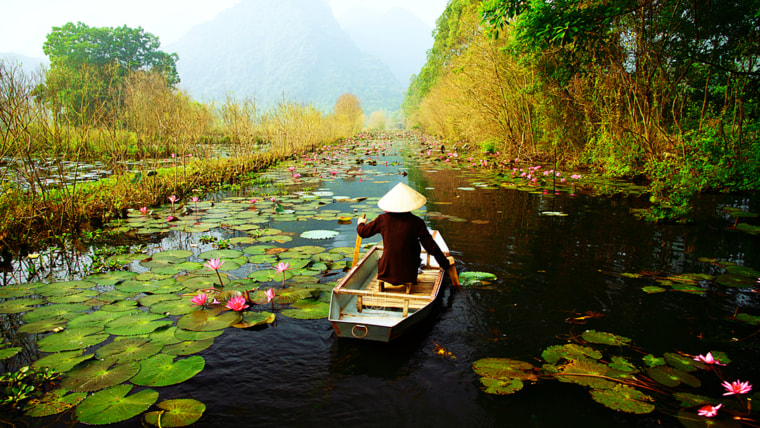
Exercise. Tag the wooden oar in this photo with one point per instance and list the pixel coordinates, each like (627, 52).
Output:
(357, 246)
(454, 276)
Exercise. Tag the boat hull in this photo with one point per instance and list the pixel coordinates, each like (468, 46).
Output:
(359, 310)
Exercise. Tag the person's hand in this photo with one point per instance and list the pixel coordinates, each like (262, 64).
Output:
(451, 260)
(361, 220)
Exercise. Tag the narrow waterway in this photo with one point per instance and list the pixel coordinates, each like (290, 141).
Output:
(557, 276)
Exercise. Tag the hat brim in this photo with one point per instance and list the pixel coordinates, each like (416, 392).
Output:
(400, 199)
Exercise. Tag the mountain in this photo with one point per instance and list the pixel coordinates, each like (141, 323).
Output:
(397, 37)
(285, 49)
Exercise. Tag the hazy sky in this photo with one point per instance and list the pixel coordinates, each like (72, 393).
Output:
(27, 22)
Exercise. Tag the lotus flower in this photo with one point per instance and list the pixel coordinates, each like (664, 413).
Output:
(736, 387)
(270, 294)
(195, 201)
(215, 264)
(144, 210)
(281, 268)
(172, 199)
(708, 359)
(237, 303)
(296, 176)
(292, 168)
(708, 410)
(200, 299)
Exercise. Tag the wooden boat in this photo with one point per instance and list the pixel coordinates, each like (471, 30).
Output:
(359, 309)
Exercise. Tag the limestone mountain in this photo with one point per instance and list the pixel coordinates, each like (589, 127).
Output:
(285, 49)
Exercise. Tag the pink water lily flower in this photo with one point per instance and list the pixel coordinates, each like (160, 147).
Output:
(736, 387)
(172, 199)
(282, 267)
(708, 359)
(199, 299)
(708, 410)
(214, 264)
(296, 175)
(237, 303)
(270, 294)
(144, 210)
(292, 168)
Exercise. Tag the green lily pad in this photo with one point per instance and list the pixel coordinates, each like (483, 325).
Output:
(308, 310)
(208, 320)
(164, 335)
(111, 278)
(134, 324)
(16, 306)
(76, 297)
(253, 319)
(162, 370)
(53, 402)
(129, 349)
(672, 377)
(261, 259)
(625, 399)
(682, 362)
(222, 254)
(501, 386)
(738, 281)
(604, 338)
(64, 310)
(95, 319)
(6, 353)
(504, 368)
(72, 339)
(188, 347)
(120, 306)
(97, 375)
(172, 255)
(176, 413)
(62, 361)
(469, 278)
(113, 405)
(652, 289)
(587, 373)
(173, 307)
(43, 326)
(747, 318)
(196, 335)
(569, 351)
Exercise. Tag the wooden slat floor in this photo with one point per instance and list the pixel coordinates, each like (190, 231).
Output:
(422, 292)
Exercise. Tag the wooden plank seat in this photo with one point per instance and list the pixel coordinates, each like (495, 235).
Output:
(402, 297)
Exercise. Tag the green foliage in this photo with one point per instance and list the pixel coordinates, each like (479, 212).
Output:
(24, 384)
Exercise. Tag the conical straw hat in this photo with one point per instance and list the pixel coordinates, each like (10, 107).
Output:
(401, 199)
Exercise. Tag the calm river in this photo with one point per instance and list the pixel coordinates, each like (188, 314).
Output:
(557, 276)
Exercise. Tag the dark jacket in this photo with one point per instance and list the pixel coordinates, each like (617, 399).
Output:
(402, 235)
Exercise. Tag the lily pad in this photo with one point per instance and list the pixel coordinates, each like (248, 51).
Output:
(62, 361)
(94, 319)
(625, 399)
(6, 353)
(196, 335)
(53, 402)
(64, 310)
(672, 377)
(43, 326)
(253, 319)
(129, 349)
(208, 320)
(16, 306)
(173, 307)
(308, 310)
(162, 370)
(504, 368)
(319, 234)
(176, 413)
(188, 347)
(475, 278)
(97, 375)
(569, 351)
(604, 338)
(112, 405)
(134, 324)
(72, 339)
(501, 386)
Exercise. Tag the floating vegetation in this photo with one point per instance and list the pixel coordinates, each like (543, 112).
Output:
(469, 279)
(594, 362)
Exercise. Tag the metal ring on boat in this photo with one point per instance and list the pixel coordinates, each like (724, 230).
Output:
(359, 326)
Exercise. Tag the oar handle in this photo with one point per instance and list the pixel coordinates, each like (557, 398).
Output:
(357, 247)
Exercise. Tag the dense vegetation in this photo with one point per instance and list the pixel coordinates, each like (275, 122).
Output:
(110, 97)
(662, 91)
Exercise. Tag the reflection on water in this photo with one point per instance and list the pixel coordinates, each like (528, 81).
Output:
(549, 268)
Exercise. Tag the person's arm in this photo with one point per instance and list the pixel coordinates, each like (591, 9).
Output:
(365, 230)
(428, 243)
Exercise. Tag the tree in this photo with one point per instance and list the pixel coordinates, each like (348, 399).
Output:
(88, 66)
(349, 114)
